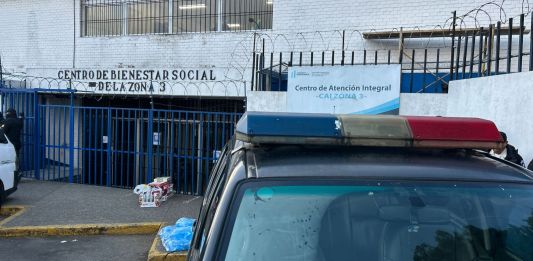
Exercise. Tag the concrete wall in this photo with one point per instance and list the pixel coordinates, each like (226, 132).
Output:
(505, 99)
(419, 104)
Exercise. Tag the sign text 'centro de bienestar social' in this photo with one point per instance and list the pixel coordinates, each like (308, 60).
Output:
(356, 89)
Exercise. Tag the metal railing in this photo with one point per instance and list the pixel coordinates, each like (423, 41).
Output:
(473, 52)
(118, 147)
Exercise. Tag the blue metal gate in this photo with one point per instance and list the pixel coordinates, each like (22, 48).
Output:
(24, 102)
(119, 147)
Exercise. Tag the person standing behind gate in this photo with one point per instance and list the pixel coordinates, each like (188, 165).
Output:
(507, 152)
(12, 127)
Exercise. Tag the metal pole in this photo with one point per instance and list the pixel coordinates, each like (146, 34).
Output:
(253, 63)
(472, 51)
(343, 38)
(465, 53)
(480, 53)
(400, 58)
(521, 43)
(531, 45)
(497, 59)
(425, 69)
(453, 44)
(71, 137)
(509, 44)
(490, 37)
(412, 71)
(1, 73)
(36, 137)
(458, 58)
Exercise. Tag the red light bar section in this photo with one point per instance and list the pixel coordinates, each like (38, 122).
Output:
(454, 132)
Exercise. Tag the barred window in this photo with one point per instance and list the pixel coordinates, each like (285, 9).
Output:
(140, 17)
(194, 16)
(101, 19)
(247, 15)
(148, 17)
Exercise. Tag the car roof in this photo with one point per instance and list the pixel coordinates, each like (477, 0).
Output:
(282, 161)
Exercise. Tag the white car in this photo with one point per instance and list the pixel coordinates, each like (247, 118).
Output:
(8, 181)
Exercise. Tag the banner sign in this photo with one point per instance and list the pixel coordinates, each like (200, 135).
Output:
(353, 89)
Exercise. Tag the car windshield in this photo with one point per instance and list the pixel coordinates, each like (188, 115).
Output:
(381, 221)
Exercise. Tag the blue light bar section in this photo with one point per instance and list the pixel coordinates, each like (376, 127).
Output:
(289, 124)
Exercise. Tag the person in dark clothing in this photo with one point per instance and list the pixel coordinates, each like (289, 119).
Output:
(507, 152)
(12, 128)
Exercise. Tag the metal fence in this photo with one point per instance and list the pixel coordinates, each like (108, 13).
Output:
(119, 147)
(473, 52)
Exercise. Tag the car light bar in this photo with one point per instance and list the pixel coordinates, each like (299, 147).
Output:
(375, 131)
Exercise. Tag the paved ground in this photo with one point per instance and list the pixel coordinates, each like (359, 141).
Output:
(90, 248)
(55, 203)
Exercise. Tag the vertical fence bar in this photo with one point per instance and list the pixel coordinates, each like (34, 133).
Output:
(291, 59)
(521, 43)
(71, 139)
(149, 144)
(332, 58)
(343, 40)
(253, 59)
(364, 57)
(110, 139)
(1, 74)
(36, 136)
(531, 45)
(480, 53)
(497, 58)
(437, 64)
(465, 52)
(509, 45)
(457, 59)
(312, 54)
(472, 52)
(280, 69)
(400, 47)
(388, 56)
(412, 71)
(376, 57)
(490, 37)
(270, 71)
(425, 70)
(323, 58)
(452, 50)
(102, 148)
(353, 57)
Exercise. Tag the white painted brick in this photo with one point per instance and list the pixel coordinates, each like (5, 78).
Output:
(41, 34)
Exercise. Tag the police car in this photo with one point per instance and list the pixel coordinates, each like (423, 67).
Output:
(345, 187)
(8, 182)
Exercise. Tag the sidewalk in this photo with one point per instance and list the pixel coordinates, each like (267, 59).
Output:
(54, 203)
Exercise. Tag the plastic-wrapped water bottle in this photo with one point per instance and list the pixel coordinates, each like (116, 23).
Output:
(177, 237)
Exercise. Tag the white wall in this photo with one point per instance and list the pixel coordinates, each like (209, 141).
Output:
(266, 101)
(505, 99)
(423, 104)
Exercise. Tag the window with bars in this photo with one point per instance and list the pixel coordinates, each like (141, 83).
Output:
(141, 17)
